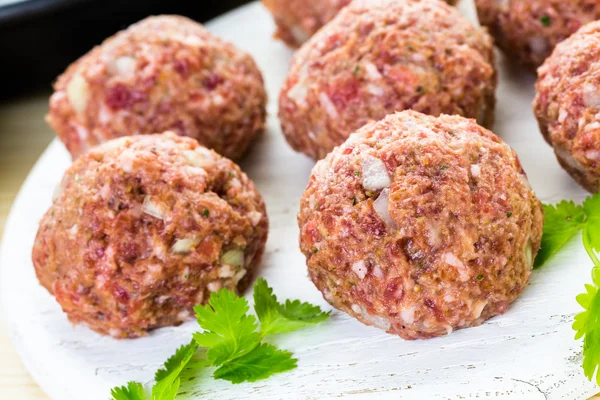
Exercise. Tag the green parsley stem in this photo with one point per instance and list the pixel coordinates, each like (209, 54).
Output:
(588, 245)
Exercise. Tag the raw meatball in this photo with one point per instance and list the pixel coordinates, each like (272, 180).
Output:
(298, 20)
(145, 227)
(381, 56)
(528, 30)
(162, 73)
(567, 105)
(420, 225)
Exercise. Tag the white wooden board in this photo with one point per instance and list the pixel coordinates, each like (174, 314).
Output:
(528, 353)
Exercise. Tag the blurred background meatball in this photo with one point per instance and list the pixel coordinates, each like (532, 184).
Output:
(298, 20)
(164, 72)
(380, 56)
(420, 225)
(567, 104)
(528, 30)
(145, 227)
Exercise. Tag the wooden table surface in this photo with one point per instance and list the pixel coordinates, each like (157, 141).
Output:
(23, 137)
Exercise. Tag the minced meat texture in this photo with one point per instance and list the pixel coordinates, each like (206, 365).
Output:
(162, 73)
(420, 225)
(528, 30)
(380, 56)
(298, 20)
(143, 228)
(567, 104)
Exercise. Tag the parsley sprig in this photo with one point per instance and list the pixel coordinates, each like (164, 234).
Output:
(229, 332)
(232, 341)
(282, 318)
(564, 221)
(587, 325)
(167, 379)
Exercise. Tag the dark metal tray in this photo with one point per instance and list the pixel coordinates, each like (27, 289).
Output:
(40, 38)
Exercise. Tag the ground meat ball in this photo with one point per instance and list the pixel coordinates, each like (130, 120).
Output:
(298, 20)
(528, 30)
(381, 56)
(567, 105)
(145, 227)
(162, 73)
(420, 225)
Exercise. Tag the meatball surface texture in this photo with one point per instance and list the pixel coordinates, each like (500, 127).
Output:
(145, 227)
(567, 105)
(162, 73)
(298, 20)
(528, 30)
(380, 56)
(420, 225)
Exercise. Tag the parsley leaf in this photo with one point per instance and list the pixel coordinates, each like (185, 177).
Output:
(228, 331)
(562, 222)
(133, 391)
(231, 341)
(176, 360)
(167, 379)
(262, 362)
(303, 313)
(587, 325)
(587, 322)
(591, 230)
(275, 317)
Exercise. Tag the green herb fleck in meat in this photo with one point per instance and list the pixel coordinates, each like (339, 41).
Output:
(546, 20)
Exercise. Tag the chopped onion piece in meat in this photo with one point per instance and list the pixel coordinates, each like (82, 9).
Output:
(375, 90)
(374, 173)
(78, 93)
(529, 255)
(255, 217)
(238, 276)
(478, 307)
(125, 66)
(360, 269)
(184, 246)
(233, 257)
(377, 272)
(328, 105)
(226, 271)
(196, 159)
(593, 155)
(408, 314)
(591, 96)
(152, 208)
(298, 93)
(214, 286)
(382, 208)
(451, 259)
(375, 320)
(372, 71)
